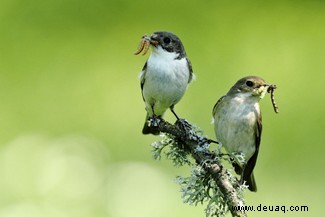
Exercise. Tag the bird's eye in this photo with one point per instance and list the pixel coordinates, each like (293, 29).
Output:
(249, 83)
(166, 40)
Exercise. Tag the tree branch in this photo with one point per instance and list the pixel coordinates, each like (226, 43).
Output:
(183, 132)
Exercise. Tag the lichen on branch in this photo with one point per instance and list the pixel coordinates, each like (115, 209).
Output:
(210, 182)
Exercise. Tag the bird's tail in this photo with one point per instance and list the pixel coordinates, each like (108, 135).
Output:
(251, 183)
(250, 179)
(149, 129)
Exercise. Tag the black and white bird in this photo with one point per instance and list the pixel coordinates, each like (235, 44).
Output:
(164, 77)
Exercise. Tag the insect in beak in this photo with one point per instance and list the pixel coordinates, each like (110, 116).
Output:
(271, 89)
(144, 45)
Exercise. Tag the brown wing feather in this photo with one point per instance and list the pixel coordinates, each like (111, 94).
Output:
(248, 171)
(217, 103)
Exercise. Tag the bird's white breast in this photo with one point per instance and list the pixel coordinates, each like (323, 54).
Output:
(235, 124)
(166, 79)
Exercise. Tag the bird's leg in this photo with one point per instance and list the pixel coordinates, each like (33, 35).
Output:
(182, 123)
(241, 182)
(179, 120)
(172, 109)
(154, 120)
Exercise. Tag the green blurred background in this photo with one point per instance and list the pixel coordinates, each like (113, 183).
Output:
(71, 110)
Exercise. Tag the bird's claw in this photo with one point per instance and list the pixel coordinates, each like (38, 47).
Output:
(183, 124)
(209, 141)
(154, 121)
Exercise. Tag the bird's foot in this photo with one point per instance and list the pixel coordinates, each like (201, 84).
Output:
(154, 121)
(213, 141)
(183, 125)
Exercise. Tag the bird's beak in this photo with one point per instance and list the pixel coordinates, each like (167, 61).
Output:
(262, 90)
(154, 40)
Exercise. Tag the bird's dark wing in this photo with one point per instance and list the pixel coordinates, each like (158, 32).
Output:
(190, 70)
(252, 161)
(142, 78)
(216, 105)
